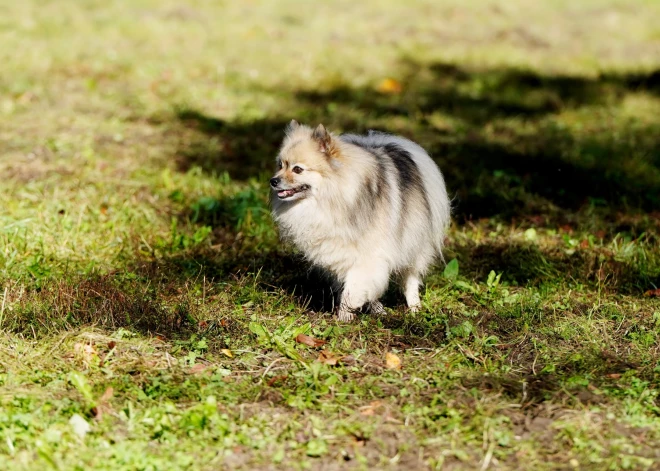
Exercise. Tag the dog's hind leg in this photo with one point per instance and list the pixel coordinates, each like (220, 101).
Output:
(412, 279)
(364, 283)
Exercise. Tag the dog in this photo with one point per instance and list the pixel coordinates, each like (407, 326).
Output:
(362, 207)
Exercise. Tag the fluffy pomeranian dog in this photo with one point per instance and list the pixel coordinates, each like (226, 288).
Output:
(363, 208)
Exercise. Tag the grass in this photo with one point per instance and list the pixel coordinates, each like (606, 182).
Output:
(149, 314)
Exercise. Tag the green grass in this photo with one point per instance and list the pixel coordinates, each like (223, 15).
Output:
(148, 314)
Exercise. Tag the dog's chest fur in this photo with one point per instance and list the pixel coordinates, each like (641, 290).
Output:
(325, 240)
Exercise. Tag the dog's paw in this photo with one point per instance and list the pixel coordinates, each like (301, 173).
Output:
(376, 307)
(414, 308)
(345, 315)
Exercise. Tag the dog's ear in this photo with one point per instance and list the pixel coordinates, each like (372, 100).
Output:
(293, 124)
(324, 140)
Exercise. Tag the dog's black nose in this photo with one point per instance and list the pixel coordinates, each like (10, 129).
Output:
(274, 181)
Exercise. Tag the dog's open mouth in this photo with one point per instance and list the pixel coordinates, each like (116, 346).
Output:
(284, 194)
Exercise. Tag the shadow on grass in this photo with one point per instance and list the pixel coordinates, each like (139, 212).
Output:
(493, 133)
(243, 150)
(526, 264)
(505, 155)
(107, 301)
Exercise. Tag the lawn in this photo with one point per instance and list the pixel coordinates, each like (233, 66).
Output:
(151, 320)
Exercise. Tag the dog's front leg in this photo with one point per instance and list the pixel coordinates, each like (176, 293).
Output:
(364, 283)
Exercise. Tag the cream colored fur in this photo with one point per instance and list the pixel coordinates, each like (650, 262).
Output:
(355, 214)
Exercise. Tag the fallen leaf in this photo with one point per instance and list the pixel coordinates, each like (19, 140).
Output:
(198, 368)
(112, 344)
(227, 352)
(102, 405)
(347, 360)
(328, 358)
(224, 323)
(389, 85)
(86, 352)
(309, 341)
(359, 441)
(107, 395)
(392, 361)
(613, 375)
(84, 348)
(202, 324)
(275, 379)
(371, 408)
(654, 293)
(584, 244)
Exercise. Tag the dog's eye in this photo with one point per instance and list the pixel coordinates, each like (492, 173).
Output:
(279, 164)
(297, 169)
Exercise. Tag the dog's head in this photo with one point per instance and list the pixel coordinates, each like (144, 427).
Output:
(304, 160)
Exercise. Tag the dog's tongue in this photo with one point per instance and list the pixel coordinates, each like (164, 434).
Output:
(284, 193)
